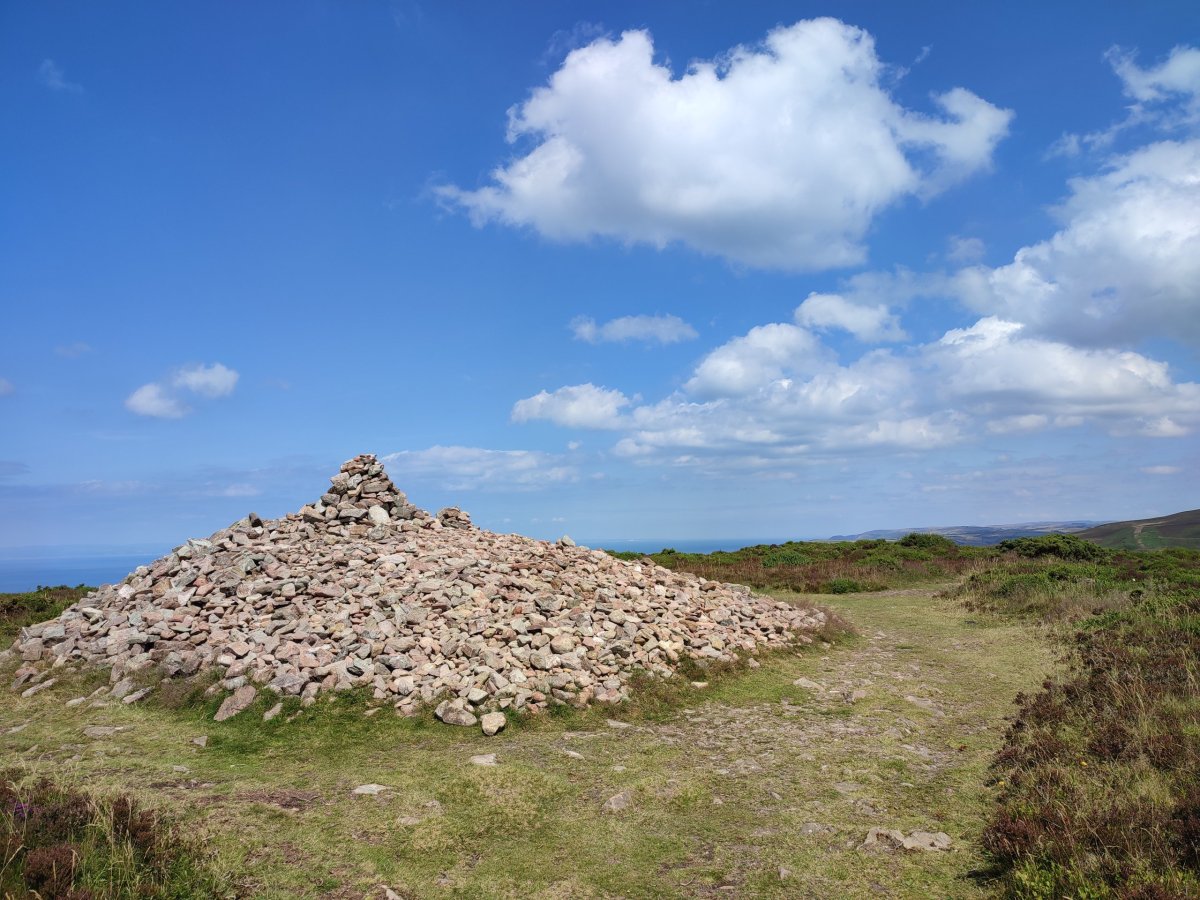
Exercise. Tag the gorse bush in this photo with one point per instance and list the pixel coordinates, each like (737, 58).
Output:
(1063, 546)
(934, 543)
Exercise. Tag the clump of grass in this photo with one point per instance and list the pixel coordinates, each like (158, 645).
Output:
(22, 609)
(58, 842)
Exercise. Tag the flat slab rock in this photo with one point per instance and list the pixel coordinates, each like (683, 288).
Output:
(239, 701)
(916, 841)
(371, 790)
(361, 589)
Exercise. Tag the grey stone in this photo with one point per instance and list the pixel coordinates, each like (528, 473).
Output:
(926, 841)
(98, 732)
(883, 839)
(239, 701)
(29, 692)
(453, 713)
(288, 683)
(618, 802)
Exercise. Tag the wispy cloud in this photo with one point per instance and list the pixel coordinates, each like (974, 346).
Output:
(10, 468)
(236, 490)
(964, 249)
(1162, 470)
(51, 74)
(6, 387)
(470, 468)
(1165, 97)
(73, 350)
(165, 399)
(645, 329)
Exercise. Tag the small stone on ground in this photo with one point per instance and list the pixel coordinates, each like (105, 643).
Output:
(371, 789)
(618, 802)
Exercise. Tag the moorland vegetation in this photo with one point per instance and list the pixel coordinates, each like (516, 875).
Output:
(1093, 791)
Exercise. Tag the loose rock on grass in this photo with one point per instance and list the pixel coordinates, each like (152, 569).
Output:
(361, 589)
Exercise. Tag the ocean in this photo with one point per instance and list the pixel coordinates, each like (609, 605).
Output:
(27, 573)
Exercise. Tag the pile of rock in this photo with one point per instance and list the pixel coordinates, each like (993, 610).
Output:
(363, 589)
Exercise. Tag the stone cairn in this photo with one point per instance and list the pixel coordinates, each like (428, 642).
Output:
(363, 589)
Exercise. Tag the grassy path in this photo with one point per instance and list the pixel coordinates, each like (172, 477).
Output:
(757, 787)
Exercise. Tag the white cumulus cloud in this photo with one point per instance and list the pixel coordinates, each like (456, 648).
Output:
(775, 396)
(993, 368)
(646, 329)
(778, 155)
(166, 399)
(873, 323)
(575, 406)
(1125, 264)
(762, 355)
(154, 400)
(207, 381)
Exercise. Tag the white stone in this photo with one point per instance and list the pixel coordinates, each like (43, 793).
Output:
(371, 789)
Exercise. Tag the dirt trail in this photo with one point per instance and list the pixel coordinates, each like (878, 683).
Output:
(894, 731)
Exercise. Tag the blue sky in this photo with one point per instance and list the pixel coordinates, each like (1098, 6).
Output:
(675, 270)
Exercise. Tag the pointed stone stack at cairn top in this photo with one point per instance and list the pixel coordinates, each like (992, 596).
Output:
(363, 499)
(364, 590)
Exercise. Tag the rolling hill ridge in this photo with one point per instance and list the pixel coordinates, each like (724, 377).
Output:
(1179, 530)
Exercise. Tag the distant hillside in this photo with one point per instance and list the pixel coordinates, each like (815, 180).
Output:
(1179, 530)
(975, 535)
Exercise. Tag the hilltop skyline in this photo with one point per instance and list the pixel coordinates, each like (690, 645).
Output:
(656, 272)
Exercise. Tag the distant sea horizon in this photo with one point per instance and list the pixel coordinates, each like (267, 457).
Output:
(25, 569)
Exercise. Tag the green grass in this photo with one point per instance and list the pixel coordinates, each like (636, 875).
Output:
(27, 608)
(723, 779)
